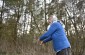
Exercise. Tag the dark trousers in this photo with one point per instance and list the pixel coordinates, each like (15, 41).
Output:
(66, 51)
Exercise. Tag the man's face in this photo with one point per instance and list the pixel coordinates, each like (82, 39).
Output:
(50, 19)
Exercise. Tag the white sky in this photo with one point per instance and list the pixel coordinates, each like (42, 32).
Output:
(48, 1)
(1, 3)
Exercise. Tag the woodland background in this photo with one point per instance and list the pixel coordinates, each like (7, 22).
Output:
(23, 21)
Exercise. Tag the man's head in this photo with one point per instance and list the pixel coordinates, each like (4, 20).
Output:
(52, 18)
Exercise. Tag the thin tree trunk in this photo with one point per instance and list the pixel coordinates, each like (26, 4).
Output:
(45, 15)
(1, 19)
(15, 26)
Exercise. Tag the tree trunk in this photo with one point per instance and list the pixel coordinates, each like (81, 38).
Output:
(1, 19)
(45, 15)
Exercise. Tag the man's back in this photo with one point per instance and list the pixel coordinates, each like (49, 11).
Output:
(59, 37)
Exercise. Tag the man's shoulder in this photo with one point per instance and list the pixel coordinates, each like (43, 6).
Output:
(55, 23)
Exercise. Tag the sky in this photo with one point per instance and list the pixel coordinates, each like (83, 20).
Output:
(1, 3)
(48, 1)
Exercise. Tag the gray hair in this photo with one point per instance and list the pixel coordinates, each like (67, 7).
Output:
(54, 18)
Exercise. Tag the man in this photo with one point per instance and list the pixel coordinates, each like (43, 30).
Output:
(57, 34)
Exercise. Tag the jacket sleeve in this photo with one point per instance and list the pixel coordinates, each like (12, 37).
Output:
(51, 30)
(47, 39)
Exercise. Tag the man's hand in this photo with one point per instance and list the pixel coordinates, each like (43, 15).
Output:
(40, 42)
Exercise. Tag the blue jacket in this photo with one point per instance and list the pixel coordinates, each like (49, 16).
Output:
(57, 34)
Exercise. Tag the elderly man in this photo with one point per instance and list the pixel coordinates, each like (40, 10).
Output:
(57, 34)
